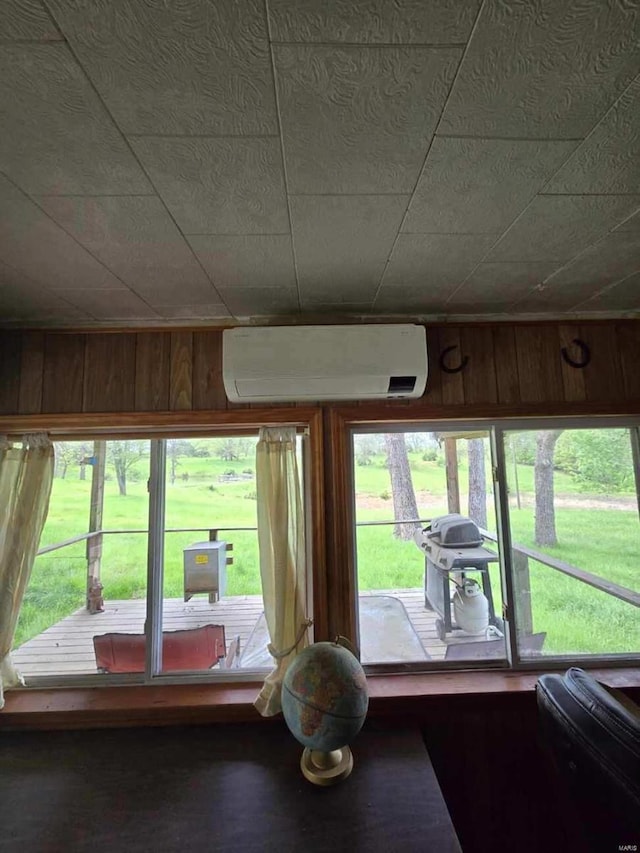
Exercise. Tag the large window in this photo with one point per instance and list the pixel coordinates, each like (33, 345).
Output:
(148, 563)
(456, 528)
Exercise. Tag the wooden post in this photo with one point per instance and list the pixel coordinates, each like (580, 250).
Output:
(523, 592)
(451, 464)
(94, 544)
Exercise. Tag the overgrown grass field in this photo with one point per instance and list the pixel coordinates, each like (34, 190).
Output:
(577, 618)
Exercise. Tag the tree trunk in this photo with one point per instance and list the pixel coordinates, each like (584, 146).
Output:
(477, 482)
(83, 473)
(121, 477)
(404, 499)
(545, 533)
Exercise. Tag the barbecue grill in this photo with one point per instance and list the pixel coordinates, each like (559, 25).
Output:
(453, 547)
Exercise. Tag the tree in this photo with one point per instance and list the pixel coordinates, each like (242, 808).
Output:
(404, 498)
(545, 530)
(230, 449)
(71, 453)
(477, 482)
(123, 455)
(365, 447)
(176, 447)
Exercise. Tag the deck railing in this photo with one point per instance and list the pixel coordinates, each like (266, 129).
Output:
(521, 556)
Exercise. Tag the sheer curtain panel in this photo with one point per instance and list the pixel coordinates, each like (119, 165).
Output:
(26, 475)
(282, 555)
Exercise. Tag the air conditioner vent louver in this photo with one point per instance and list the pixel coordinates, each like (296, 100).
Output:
(297, 363)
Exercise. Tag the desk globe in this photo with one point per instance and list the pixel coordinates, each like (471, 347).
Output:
(324, 702)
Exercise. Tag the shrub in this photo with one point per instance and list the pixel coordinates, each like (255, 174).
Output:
(385, 495)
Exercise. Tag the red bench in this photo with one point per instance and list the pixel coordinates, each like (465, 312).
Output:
(195, 648)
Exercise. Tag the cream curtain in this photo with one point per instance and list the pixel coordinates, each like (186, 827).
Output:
(282, 556)
(26, 475)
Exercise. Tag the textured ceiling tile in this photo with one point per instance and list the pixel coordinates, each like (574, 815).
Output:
(340, 308)
(253, 301)
(343, 242)
(556, 227)
(187, 67)
(608, 161)
(624, 296)
(23, 299)
(39, 249)
(212, 311)
(57, 138)
(480, 185)
(544, 69)
(330, 292)
(373, 21)
(497, 286)
(407, 299)
(433, 265)
(613, 258)
(109, 304)
(26, 20)
(253, 261)
(219, 186)
(359, 120)
(137, 239)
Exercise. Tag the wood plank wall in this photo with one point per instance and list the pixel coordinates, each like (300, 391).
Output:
(516, 367)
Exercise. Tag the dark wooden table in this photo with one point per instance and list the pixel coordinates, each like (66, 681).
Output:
(216, 788)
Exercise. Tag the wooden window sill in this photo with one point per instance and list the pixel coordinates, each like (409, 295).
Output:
(390, 695)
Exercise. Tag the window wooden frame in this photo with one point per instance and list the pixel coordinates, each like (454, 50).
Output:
(233, 422)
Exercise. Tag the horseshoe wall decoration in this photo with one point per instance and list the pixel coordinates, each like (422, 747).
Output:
(585, 351)
(445, 368)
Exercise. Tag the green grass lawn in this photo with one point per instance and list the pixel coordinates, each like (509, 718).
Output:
(577, 618)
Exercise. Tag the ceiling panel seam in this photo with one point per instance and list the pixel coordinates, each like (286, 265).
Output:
(426, 156)
(285, 176)
(441, 45)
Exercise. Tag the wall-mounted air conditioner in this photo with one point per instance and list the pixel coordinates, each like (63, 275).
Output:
(294, 363)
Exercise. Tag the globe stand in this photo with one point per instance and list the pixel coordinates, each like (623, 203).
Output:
(326, 768)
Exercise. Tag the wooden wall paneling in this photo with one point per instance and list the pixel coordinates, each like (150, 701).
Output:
(342, 590)
(109, 372)
(180, 388)
(153, 371)
(479, 376)
(208, 388)
(63, 374)
(628, 338)
(572, 377)
(31, 373)
(506, 364)
(603, 376)
(433, 392)
(10, 357)
(451, 383)
(539, 358)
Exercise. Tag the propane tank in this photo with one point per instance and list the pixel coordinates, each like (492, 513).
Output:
(471, 607)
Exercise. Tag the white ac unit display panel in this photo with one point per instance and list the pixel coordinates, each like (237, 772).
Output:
(297, 363)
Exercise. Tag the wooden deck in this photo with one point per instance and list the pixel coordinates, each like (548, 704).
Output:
(67, 647)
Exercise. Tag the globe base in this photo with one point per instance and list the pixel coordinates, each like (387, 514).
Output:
(326, 768)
